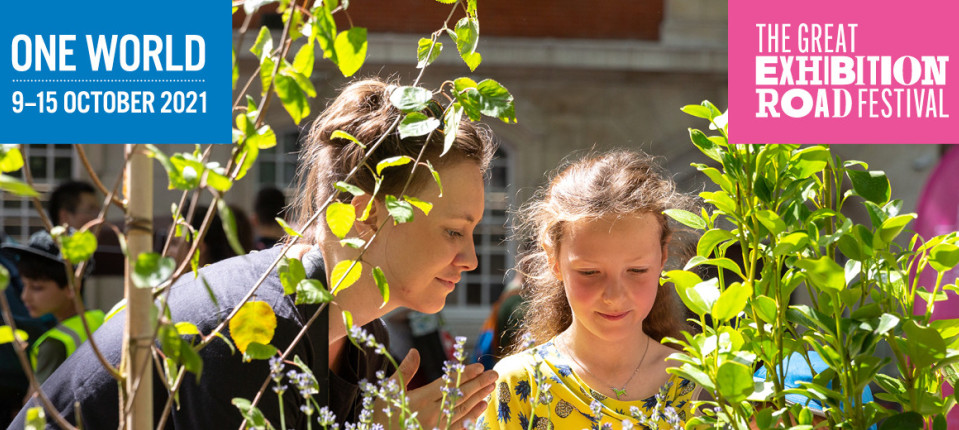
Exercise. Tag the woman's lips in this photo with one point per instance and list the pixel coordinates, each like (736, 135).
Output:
(450, 285)
(614, 317)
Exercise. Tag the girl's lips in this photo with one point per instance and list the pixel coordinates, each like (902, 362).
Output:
(614, 317)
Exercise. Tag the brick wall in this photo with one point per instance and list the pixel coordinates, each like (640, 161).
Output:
(609, 19)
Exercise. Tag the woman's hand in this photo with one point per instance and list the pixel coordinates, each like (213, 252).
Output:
(426, 400)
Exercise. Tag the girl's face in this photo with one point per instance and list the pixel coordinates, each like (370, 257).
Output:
(610, 270)
(424, 259)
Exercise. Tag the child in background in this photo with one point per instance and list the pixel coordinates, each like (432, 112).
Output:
(46, 291)
(598, 313)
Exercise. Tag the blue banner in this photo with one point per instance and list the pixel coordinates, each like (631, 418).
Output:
(116, 72)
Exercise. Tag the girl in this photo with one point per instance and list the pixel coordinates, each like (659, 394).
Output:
(598, 313)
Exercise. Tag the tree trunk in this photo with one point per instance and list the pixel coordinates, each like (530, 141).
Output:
(138, 336)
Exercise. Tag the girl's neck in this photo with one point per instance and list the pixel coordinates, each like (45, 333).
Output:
(616, 357)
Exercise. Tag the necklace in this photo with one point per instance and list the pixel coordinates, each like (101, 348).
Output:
(619, 392)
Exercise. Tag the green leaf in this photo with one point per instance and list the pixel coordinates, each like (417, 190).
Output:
(402, 211)
(340, 217)
(79, 246)
(186, 328)
(353, 242)
(252, 415)
(304, 59)
(293, 97)
(11, 159)
(312, 291)
(732, 301)
(343, 276)
(703, 296)
(349, 188)
(350, 47)
(426, 52)
(790, 243)
(925, 344)
(872, 186)
(697, 111)
(470, 100)
(263, 45)
(496, 101)
(436, 177)
(4, 278)
(886, 322)
(467, 35)
(258, 351)
(734, 381)
(381, 284)
(472, 60)
(340, 134)
(824, 273)
(451, 125)
(151, 269)
(15, 186)
(944, 256)
(229, 227)
(891, 227)
(392, 162)
(254, 322)
(6, 334)
(411, 99)
(291, 272)
(771, 221)
(724, 263)
(324, 28)
(766, 308)
(809, 161)
(705, 145)
(711, 239)
(903, 421)
(686, 218)
(287, 228)
(36, 419)
(417, 124)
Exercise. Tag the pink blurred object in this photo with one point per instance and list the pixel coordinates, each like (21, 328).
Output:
(938, 213)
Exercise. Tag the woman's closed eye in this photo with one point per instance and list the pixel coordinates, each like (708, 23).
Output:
(454, 234)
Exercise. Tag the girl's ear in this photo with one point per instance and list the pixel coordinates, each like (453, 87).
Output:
(553, 262)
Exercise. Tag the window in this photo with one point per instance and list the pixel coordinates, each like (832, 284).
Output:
(481, 287)
(277, 165)
(50, 165)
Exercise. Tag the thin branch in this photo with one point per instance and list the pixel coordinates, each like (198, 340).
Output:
(96, 178)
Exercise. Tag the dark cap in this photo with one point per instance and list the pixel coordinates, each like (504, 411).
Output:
(41, 244)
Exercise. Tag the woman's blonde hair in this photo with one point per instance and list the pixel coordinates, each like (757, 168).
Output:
(616, 183)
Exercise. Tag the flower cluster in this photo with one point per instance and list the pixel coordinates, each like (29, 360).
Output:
(361, 337)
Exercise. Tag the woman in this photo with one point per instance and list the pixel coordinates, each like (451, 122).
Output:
(422, 260)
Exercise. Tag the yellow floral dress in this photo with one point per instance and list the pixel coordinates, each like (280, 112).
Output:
(543, 378)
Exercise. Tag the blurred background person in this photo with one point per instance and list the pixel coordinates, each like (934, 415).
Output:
(269, 205)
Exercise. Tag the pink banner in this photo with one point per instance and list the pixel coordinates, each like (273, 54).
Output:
(850, 71)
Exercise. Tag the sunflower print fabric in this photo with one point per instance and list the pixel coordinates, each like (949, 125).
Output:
(543, 378)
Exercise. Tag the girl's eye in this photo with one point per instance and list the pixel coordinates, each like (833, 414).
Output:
(588, 272)
(640, 271)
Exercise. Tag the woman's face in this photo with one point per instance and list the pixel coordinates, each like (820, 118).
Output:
(424, 259)
(610, 268)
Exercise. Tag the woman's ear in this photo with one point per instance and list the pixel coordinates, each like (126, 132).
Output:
(366, 214)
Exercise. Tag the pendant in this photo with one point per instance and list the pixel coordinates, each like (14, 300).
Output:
(619, 392)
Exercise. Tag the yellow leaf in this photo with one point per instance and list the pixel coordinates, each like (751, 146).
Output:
(255, 322)
(340, 218)
(343, 277)
(6, 334)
